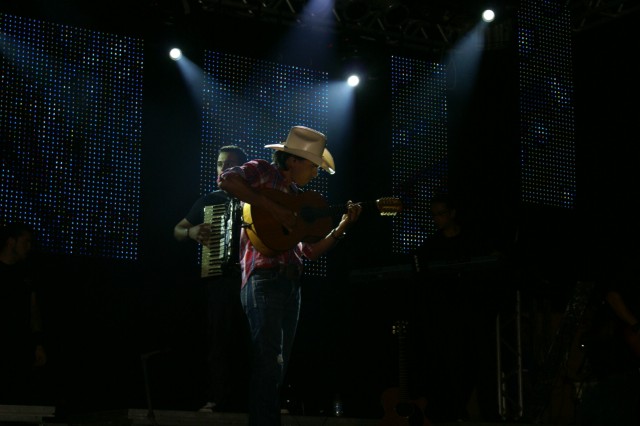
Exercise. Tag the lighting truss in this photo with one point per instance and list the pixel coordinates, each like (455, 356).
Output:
(417, 30)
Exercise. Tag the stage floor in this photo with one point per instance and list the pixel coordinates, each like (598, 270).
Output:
(17, 415)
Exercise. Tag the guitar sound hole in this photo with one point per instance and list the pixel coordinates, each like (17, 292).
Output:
(404, 409)
(309, 214)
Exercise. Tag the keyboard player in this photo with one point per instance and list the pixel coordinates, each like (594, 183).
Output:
(211, 223)
(457, 317)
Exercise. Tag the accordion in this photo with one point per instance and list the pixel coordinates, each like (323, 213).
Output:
(222, 250)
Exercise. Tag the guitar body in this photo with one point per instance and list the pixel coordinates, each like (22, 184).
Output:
(399, 410)
(400, 413)
(271, 238)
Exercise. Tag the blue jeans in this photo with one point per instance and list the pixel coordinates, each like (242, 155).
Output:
(271, 301)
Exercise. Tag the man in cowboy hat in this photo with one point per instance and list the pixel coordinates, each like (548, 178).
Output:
(270, 292)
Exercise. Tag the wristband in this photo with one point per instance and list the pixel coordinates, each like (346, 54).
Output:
(187, 229)
(333, 234)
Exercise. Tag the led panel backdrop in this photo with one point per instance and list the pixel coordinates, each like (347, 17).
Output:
(548, 169)
(419, 139)
(252, 103)
(70, 126)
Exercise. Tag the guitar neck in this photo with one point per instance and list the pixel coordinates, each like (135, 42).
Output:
(269, 236)
(403, 376)
(399, 409)
(387, 206)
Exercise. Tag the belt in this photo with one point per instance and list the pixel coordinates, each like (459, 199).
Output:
(291, 272)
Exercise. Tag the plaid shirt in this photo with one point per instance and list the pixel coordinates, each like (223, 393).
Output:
(261, 174)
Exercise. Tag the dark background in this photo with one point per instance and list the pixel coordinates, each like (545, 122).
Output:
(101, 315)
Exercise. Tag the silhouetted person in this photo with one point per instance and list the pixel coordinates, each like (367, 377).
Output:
(456, 275)
(22, 350)
(612, 344)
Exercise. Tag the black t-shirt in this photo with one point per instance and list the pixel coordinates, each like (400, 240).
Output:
(458, 278)
(15, 310)
(196, 214)
(457, 248)
(611, 346)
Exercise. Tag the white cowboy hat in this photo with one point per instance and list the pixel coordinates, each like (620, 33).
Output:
(307, 143)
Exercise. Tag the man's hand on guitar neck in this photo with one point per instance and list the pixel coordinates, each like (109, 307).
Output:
(337, 233)
(348, 218)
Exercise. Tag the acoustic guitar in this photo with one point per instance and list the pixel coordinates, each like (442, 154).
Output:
(315, 219)
(399, 410)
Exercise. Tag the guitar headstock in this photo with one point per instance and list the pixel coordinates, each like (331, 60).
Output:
(400, 328)
(389, 206)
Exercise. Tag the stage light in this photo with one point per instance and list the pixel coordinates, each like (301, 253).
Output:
(353, 80)
(488, 15)
(175, 53)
